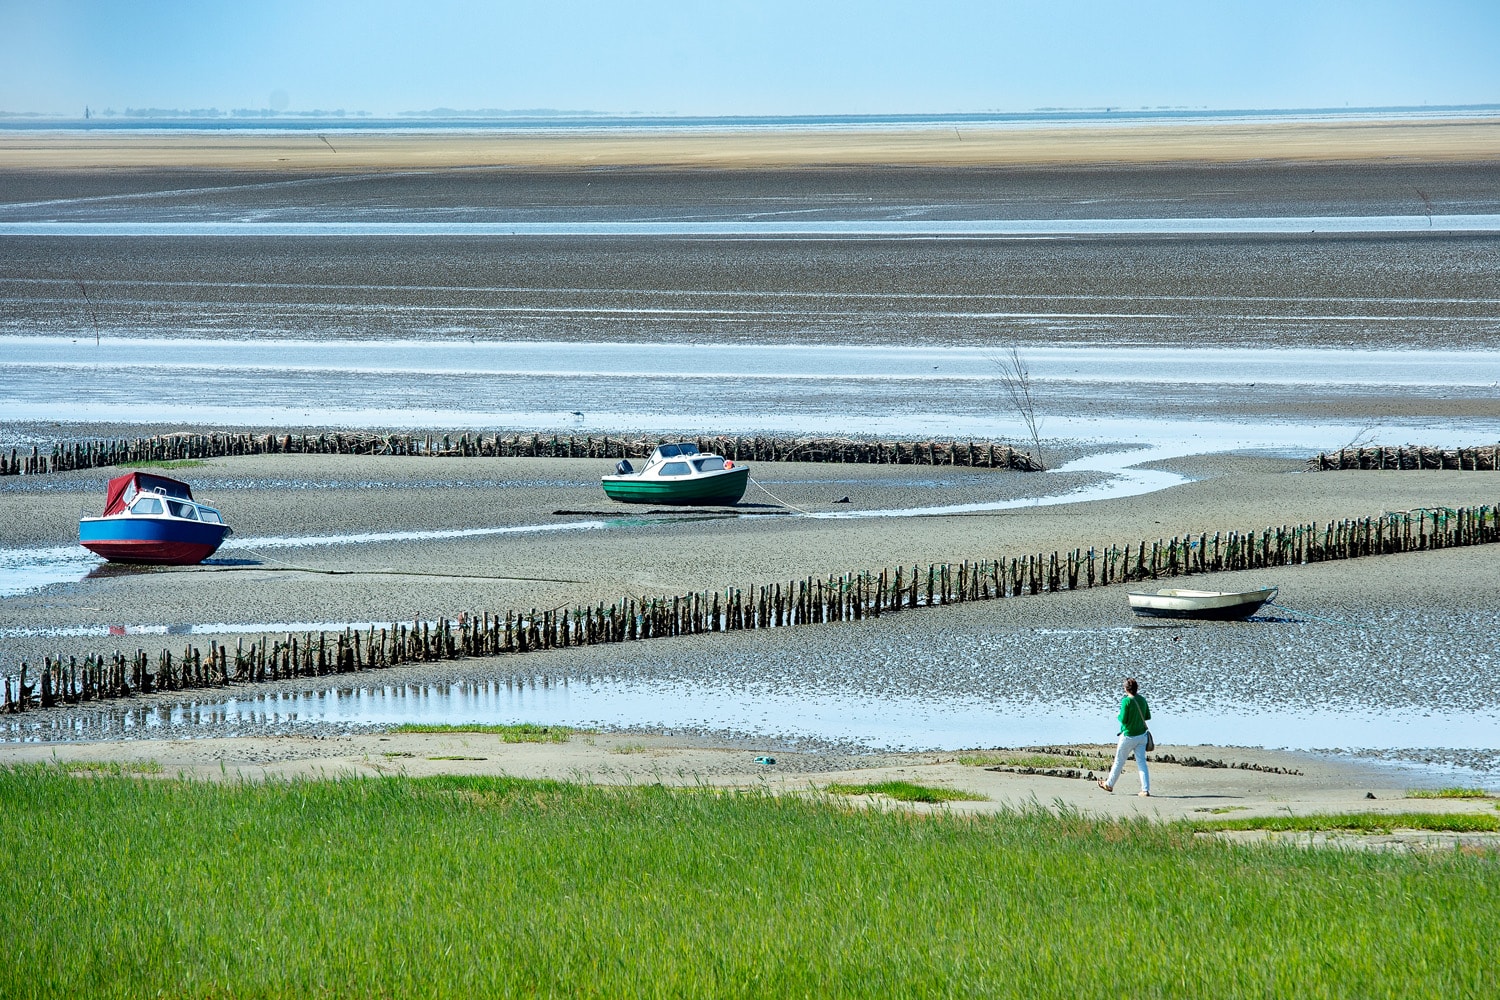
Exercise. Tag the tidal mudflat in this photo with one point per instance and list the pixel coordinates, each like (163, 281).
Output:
(1377, 655)
(1222, 359)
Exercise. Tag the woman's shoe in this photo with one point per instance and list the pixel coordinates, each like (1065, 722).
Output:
(1144, 795)
(1102, 785)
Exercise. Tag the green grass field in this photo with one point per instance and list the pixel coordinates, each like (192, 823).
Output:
(906, 791)
(1449, 793)
(439, 887)
(171, 463)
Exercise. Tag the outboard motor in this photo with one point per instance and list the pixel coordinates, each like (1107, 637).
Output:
(624, 468)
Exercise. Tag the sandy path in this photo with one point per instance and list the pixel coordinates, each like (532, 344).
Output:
(1441, 140)
(1179, 792)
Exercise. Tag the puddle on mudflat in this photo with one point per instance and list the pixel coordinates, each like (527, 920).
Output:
(23, 570)
(916, 722)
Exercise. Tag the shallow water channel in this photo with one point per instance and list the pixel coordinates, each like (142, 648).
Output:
(1089, 393)
(1408, 686)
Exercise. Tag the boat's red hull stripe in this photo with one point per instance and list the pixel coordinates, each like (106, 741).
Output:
(172, 553)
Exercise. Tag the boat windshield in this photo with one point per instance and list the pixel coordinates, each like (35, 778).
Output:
(185, 511)
(146, 505)
(711, 464)
(210, 515)
(674, 469)
(681, 448)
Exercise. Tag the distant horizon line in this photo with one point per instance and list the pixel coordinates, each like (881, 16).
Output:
(250, 116)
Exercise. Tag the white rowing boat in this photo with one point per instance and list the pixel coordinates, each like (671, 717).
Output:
(1211, 604)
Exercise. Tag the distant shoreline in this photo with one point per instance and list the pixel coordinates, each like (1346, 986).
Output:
(544, 118)
(957, 144)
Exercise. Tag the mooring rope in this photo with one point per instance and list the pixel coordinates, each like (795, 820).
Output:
(778, 499)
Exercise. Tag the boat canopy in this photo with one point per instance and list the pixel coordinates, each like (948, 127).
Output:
(674, 450)
(123, 489)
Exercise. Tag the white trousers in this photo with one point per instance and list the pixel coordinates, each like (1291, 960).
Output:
(1130, 745)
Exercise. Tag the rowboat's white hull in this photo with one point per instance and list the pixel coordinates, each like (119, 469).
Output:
(1210, 604)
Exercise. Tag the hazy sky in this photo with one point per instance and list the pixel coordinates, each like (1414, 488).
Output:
(730, 57)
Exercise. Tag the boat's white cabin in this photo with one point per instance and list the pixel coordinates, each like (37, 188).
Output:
(148, 504)
(671, 461)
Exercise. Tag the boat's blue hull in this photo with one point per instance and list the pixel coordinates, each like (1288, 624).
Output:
(151, 539)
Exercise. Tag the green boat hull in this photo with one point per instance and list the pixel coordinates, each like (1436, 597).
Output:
(718, 490)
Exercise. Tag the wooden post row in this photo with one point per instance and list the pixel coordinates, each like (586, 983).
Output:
(810, 600)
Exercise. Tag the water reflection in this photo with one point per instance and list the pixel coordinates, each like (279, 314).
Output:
(895, 721)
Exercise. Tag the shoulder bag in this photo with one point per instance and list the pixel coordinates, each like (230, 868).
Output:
(1150, 740)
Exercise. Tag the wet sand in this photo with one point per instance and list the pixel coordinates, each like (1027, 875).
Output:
(1377, 291)
(1436, 140)
(618, 550)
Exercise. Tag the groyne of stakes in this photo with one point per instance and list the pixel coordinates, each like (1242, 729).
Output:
(1409, 457)
(69, 456)
(808, 601)
(104, 453)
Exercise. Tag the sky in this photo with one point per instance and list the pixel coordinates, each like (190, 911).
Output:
(771, 57)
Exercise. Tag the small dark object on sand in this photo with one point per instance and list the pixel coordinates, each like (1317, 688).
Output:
(845, 500)
(765, 760)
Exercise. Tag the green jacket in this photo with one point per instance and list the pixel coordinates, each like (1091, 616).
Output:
(1133, 714)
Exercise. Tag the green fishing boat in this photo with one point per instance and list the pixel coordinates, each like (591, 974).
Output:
(679, 474)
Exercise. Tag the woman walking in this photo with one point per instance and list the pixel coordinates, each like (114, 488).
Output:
(1134, 712)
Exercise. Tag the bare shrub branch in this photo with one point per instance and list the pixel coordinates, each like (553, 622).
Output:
(1015, 380)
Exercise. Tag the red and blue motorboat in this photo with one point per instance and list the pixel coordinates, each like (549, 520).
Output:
(153, 519)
